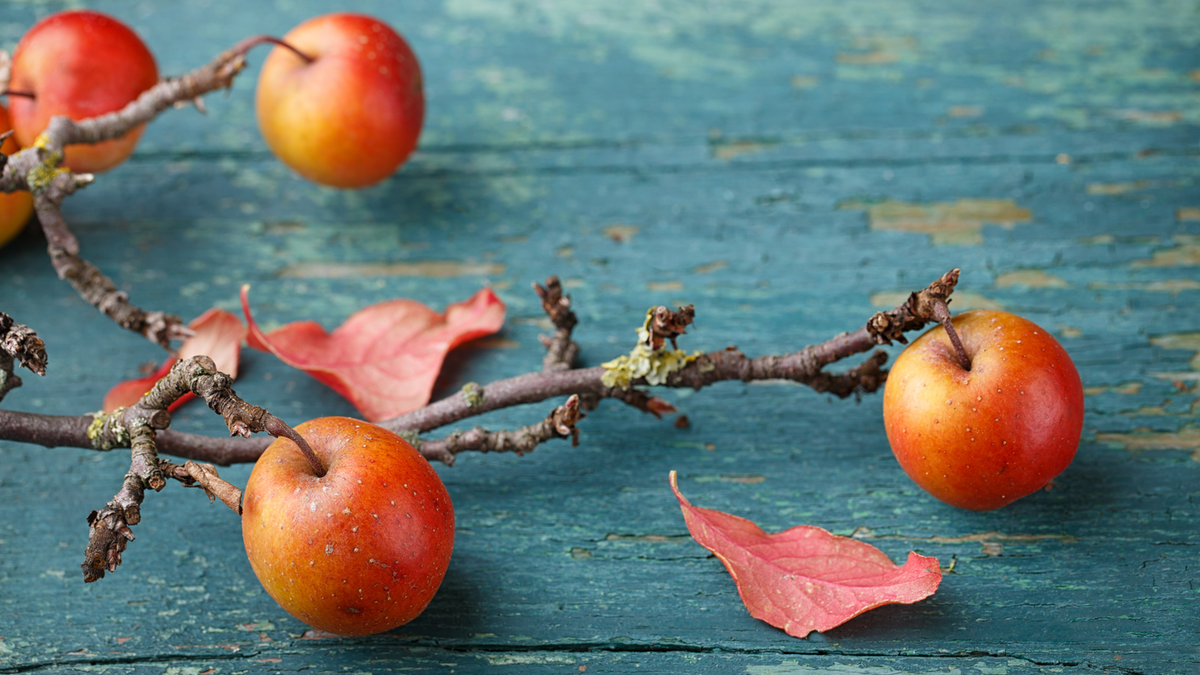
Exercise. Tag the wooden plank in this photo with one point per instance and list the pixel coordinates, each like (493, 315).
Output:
(582, 145)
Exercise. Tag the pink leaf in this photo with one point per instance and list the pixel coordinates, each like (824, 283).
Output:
(805, 579)
(385, 358)
(218, 335)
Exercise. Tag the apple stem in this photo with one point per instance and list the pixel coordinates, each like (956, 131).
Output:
(942, 313)
(14, 92)
(277, 427)
(249, 43)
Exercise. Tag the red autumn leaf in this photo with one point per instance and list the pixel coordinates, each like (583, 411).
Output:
(805, 579)
(385, 358)
(218, 335)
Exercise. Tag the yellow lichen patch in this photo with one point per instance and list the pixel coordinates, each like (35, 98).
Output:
(960, 301)
(426, 268)
(620, 233)
(1187, 438)
(959, 222)
(1187, 213)
(1031, 279)
(1186, 252)
(643, 362)
(964, 110)
(1116, 188)
(731, 149)
(1189, 341)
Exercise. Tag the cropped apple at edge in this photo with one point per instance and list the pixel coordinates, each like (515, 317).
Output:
(360, 550)
(81, 64)
(983, 438)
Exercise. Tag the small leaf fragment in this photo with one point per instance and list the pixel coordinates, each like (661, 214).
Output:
(218, 335)
(805, 578)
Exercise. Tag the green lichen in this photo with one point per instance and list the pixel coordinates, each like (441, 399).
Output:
(42, 175)
(411, 435)
(105, 432)
(473, 393)
(643, 362)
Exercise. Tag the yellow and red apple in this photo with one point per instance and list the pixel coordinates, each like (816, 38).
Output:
(359, 550)
(15, 207)
(985, 437)
(351, 115)
(80, 64)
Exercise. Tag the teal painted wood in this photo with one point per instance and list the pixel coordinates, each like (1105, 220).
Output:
(741, 158)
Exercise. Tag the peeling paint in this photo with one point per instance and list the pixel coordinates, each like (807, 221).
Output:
(1172, 286)
(1187, 213)
(664, 285)
(649, 538)
(1190, 341)
(1116, 188)
(710, 267)
(436, 269)
(965, 111)
(960, 222)
(1031, 279)
(1127, 388)
(1186, 252)
(1187, 438)
(620, 233)
(731, 149)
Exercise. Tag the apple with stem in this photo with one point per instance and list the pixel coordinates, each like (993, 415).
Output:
(341, 103)
(80, 64)
(983, 410)
(15, 207)
(353, 538)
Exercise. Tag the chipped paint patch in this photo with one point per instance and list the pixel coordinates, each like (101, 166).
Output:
(960, 222)
(743, 478)
(1187, 438)
(438, 269)
(1157, 118)
(1172, 286)
(871, 58)
(1127, 388)
(980, 537)
(649, 538)
(731, 149)
(664, 285)
(620, 233)
(1030, 279)
(710, 267)
(805, 81)
(1190, 341)
(1117, 188)
(1185, 252)
(965, 111)
(1187, 213)
(1069, 331)
(528, 659)
(961, 300)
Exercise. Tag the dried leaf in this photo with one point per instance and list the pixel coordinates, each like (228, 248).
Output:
(805, 579)
(385, 358)
(218, 335)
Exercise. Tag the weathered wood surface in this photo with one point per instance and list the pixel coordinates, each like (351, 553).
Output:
(747, 157)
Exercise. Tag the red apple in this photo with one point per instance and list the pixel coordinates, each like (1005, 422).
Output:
(351, 116)
(15, 207)
(80, 64)
(983, 438)
(359, 550)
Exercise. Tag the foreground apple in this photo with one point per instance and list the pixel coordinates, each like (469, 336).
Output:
(983, 438)
(359, 550)
(80, 64)
(350, 116)
(15, 207)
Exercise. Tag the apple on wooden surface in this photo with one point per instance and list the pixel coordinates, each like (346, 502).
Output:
(15, 207)
(359, 550)
(985, 437)
(351, 115)
(80, 64)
